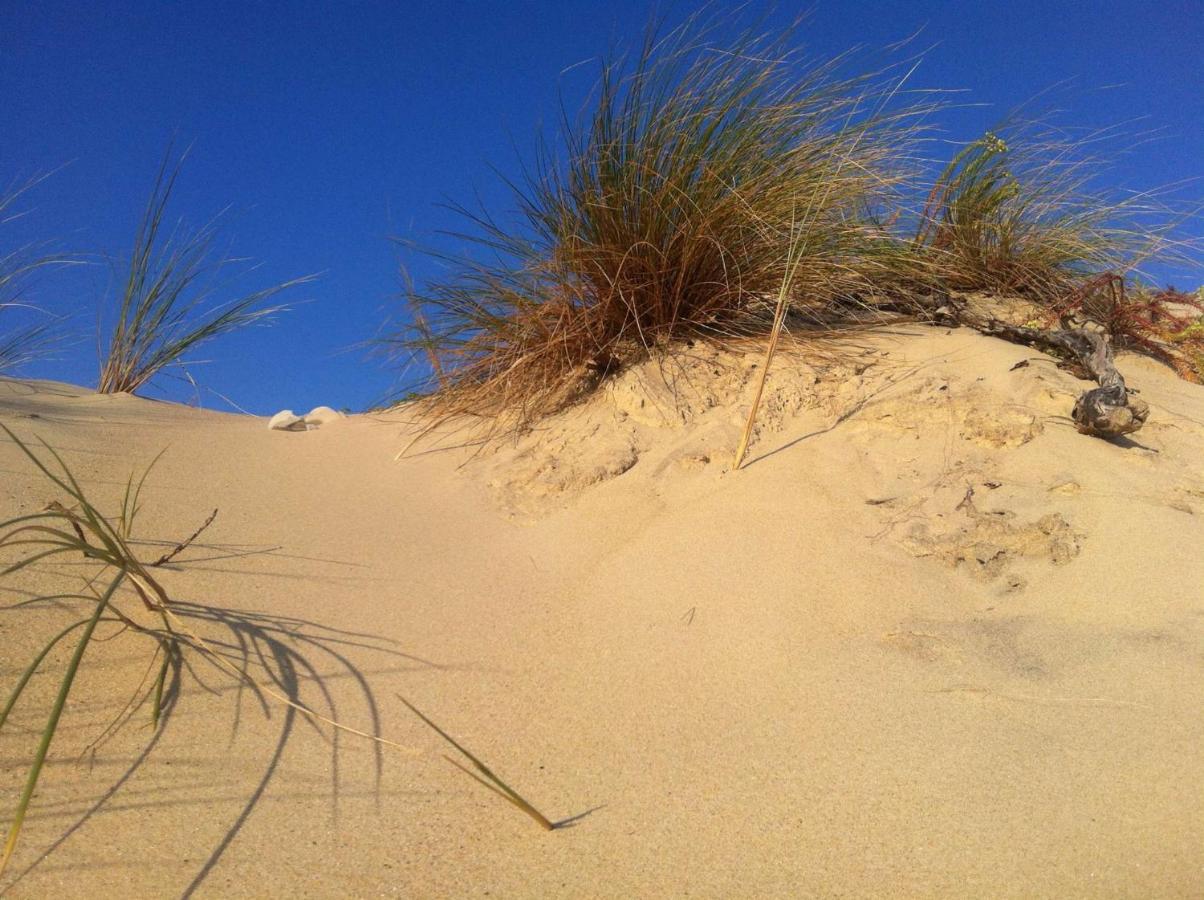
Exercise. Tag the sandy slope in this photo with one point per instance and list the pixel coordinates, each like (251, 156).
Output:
(823, 675)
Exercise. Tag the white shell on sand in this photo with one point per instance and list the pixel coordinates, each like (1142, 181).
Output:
(321, 415)
(286, 420)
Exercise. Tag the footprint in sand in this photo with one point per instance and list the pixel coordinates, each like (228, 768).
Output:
(988, 648)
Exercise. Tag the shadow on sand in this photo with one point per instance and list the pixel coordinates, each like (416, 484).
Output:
(274, 653)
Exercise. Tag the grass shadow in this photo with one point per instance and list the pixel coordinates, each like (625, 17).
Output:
(287, 655)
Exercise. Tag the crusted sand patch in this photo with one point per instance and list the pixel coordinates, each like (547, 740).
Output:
(921, 425)
(680, 413)
(984, 545)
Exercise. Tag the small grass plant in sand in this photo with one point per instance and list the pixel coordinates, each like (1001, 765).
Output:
(77, 528)
(81, 530)
(166, 306)
(1014, 214)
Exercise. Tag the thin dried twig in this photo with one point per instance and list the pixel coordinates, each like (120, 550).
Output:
(183, 545)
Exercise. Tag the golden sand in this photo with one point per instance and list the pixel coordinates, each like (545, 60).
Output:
(930, 641)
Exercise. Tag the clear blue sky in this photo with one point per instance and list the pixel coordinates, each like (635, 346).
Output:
(328, 126)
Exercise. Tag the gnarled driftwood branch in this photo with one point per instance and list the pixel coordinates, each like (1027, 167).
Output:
(1104, 411)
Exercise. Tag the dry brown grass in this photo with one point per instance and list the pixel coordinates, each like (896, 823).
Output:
(706, 176)
(667, 216)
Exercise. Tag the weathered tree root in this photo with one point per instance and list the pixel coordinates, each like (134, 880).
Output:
(1104, 411)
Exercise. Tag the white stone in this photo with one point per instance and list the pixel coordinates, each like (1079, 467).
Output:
(321, 415)
(286, 420)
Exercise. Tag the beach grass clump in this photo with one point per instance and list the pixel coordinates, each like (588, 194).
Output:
(166, 306)
(665, 213)
(1014, 213)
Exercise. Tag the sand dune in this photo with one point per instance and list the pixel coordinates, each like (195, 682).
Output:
(930, 641)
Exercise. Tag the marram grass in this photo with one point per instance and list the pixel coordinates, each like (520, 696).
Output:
(165, 308)
(1014, 213)
(662, 215)
(25, 342)
(704, 175)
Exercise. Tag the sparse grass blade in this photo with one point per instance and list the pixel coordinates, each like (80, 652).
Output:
(25, 344)
(83, 529)
(166, 307)
(56, 712)
(169, 653)
(25, 341)
(32, 669)
(486, 776)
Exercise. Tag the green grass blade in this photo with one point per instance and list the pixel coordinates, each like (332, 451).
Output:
(161, 682)
(33, 667)
(56, 712)
(494, 783)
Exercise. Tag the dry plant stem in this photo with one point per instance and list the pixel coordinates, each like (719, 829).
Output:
(794, 259)
(183, 545)
(778, 321)
(490, 780)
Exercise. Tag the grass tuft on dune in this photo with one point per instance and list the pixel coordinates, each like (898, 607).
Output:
(1014, 213)
(166, 304)
(705, 174)
(666, 214)
(24, 342)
